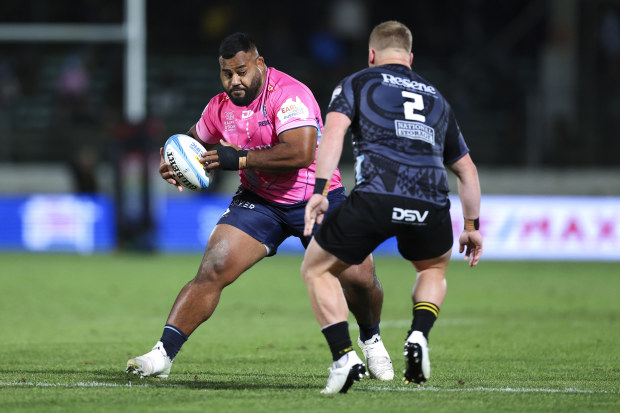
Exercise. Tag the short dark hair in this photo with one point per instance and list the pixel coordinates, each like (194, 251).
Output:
(235, 43)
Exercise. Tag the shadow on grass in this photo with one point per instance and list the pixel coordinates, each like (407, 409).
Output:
(114, 378)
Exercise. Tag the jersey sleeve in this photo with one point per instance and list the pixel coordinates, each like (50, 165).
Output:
(295, 107)
(343, 100)
(454, 146)
(206, 127)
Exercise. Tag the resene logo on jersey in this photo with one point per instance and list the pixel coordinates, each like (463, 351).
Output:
(391, 80)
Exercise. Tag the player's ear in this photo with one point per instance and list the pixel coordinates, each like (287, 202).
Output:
(371, 57)
(410, 58)
(260, 63)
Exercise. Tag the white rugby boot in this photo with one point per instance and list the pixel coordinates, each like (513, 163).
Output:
(343, 373)
(154, 363)
(417, 363)
(377, 358)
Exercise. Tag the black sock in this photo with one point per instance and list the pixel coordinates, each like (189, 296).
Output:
(337, 336)
(366, 332)
(424, 316)
(172, 339)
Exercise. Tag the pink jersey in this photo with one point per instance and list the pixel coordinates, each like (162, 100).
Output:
(283, 104)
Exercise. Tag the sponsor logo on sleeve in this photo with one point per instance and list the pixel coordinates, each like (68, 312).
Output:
(335, 93)
(293, 109)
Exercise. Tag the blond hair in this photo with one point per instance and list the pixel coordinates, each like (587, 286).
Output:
(390, 35)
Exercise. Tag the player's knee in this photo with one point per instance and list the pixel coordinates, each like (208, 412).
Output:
(310, 271)
(211, 273)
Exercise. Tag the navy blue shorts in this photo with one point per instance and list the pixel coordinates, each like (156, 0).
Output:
(272, 223)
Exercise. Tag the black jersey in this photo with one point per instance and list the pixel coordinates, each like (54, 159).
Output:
(403, 132)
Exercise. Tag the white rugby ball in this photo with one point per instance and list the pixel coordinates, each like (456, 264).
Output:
(183, 154)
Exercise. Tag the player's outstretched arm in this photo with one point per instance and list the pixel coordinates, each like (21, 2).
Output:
(330, 147)
(328, 156)
(470, 239)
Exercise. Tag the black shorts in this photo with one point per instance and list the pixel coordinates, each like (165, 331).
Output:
(364, 220)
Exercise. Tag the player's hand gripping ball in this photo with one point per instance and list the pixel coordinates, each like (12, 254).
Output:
(183, 153)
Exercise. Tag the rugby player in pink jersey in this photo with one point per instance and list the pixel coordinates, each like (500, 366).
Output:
(267, 126)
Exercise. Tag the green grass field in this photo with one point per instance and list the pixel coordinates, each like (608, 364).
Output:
(511, 337)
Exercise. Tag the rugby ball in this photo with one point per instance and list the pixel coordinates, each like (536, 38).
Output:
(183, 153)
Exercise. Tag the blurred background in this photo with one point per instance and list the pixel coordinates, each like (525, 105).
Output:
(90, 89)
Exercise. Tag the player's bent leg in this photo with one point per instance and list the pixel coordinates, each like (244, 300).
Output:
(324, 289)
(428, 295)
(364, 295)
(228, 254)
(430, 282)
(319, 270)
(363, 291)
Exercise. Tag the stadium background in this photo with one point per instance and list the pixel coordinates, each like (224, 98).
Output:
(534, 85)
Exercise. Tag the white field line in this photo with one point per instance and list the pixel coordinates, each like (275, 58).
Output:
(490, 390)
(85, 384)
(412, 389)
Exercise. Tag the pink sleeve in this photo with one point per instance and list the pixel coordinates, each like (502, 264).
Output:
(206, 126)
(294, 109)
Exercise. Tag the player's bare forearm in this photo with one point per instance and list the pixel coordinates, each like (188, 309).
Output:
(283, 157)
(470, 240)
(294, 151)
(330, 147)
(468, 186)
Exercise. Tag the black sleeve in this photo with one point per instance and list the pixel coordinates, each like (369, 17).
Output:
(343, 99)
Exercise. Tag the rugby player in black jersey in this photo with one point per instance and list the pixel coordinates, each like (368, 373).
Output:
(404, 137)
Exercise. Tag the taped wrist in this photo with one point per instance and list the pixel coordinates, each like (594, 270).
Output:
(232, 159)
(472, 224)
(321, 186)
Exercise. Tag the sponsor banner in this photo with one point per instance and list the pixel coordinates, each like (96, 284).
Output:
(184, 224)
(57, 223)
(546, 227)
(514, 227)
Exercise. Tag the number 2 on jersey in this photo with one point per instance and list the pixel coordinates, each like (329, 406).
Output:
(411, 106)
